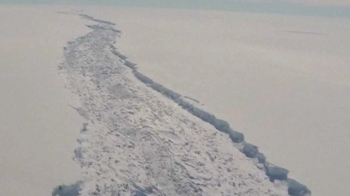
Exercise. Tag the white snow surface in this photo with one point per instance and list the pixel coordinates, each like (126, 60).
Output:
(139, 142)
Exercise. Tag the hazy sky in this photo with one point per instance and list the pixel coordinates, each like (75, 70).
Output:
(322, 2)
(326, 8)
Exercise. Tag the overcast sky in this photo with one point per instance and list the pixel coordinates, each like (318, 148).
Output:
(322, 2)
(325, 8)
(303, 2)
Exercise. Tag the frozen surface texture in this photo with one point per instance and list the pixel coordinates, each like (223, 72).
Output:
(140, 143)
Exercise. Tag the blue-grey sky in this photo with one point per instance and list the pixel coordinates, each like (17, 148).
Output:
(325, 8)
